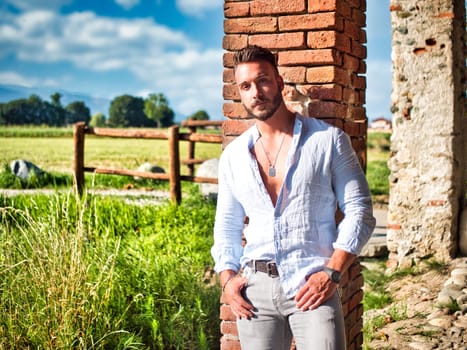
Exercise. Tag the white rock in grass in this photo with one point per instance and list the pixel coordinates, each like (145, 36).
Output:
(149, 168)
(208, 168)
(25, 169)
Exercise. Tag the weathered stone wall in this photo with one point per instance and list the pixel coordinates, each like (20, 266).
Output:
(427, 183)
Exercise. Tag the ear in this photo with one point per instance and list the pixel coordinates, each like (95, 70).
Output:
(280, 82)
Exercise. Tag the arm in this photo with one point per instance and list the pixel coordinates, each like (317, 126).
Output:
(352, 192)
(227, 249)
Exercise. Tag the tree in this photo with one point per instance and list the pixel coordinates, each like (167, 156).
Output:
(77, 112)
(156, 108)
(199, 115)
(55, 98)
(97, 120)
(127, 110)
(31, 111)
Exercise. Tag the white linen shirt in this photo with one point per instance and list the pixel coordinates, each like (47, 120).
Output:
(299, 233)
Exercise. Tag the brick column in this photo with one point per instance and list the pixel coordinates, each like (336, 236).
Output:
(321, 53)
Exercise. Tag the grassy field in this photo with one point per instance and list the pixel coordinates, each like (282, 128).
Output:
(54, 153)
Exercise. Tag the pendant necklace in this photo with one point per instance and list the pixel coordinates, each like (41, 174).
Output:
(272, 166)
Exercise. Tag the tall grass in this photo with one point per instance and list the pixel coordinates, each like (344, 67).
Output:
(100, 273)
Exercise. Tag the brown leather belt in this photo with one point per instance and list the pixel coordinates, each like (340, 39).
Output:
(266, 266)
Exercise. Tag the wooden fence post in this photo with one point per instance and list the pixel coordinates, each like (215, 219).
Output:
(78, 159)
(191, 152)
(174, 165)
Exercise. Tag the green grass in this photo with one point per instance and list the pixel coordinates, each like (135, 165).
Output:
(99, 273)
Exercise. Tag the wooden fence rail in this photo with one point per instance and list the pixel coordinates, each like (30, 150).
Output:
(173, 135)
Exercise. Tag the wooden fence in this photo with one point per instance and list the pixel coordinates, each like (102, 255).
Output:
(173, 135)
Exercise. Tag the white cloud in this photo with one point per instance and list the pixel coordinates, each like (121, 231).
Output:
(127, 4)
(38, 4)
(87, 40)
(14, 78)
(160, 59)
(197, 8)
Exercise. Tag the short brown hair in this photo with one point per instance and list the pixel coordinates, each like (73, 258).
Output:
(254, 54)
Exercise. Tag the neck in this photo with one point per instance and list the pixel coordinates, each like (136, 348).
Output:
(279, 123)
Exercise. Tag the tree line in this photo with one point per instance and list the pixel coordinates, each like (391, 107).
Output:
(124, 111)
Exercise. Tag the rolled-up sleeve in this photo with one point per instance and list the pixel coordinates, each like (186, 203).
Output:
(354, 198)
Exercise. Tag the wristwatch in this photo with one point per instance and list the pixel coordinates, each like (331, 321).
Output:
(334, 275)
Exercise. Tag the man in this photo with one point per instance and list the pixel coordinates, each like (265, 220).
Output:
(280, 183)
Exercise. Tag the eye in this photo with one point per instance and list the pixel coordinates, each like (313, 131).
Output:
(244, 86)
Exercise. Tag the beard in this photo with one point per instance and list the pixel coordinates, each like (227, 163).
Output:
(270, 108)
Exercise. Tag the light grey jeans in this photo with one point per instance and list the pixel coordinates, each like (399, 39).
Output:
(277, 319)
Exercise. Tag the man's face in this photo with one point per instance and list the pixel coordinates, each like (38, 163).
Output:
(260, 88)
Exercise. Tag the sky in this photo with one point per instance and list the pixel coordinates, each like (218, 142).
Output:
(107, 48)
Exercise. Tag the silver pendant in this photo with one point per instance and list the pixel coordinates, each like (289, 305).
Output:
(272, 171)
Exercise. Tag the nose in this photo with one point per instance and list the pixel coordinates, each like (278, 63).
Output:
(256, 91)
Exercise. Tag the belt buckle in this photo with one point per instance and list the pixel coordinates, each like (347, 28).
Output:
(270, 269)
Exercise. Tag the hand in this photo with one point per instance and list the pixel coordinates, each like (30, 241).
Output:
(317, 289)
(233, 296)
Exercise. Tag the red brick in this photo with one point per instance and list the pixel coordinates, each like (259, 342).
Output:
(327, 74)
(328, 39)
(350, 319)
(274, 7)
(344, 9)
(322, 5)
(358, 49)
(361, 68)
(228, 59)
(235, 127)
(359, 17)
(355, 329)
(236, 9)
(331, 92)
(395, 7)
(234, 41)
(309, 57)
(358, 82)
(230, 92)
(355, 128)
(351, 63)
(351, 96)
(250, 25)
(314, 21)
(228, 76)
(355, 269)
(358, 144)
(230, 344)
(326, 109)
(357, 4)
(334, 122)
(229, 327)
(362, 94)
(293, 74)
(352, 30)
(356, 299)
(226, 313)
(234, 110)
(357, 113)
(295, 40)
